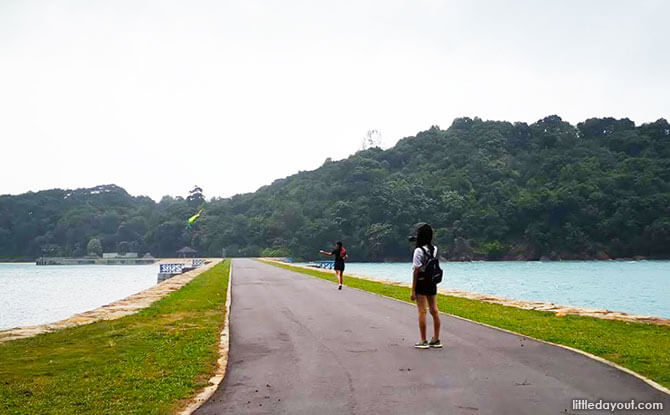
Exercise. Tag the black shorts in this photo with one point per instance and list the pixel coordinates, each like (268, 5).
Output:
(339, 266)
(426, 287)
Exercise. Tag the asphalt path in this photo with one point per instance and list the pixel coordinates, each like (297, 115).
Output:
(300, 346)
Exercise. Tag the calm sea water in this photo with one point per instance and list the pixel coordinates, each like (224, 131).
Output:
(35, 295)
(31, 294)
(638, 287)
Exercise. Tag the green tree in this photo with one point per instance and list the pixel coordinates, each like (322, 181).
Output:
(491, 189)
(195, 197)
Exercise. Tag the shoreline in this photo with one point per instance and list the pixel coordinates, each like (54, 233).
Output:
(442, 259)
(395, 260)
(153, 361)
(114, 310)
(156, 261)
(557, 309)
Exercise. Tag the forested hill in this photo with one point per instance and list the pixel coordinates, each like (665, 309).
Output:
(491, 189)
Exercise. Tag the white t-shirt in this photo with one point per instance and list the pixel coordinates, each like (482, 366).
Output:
(419, 260)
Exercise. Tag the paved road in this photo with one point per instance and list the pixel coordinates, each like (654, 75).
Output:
(300, 346)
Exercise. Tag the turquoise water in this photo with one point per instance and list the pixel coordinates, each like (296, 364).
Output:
(637, 287)
(31, 294)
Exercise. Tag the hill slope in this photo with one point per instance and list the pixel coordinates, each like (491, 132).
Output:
(491, 189)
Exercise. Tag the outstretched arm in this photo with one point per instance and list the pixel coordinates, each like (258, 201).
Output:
(321, 251)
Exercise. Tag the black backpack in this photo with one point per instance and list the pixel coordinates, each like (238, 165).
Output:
(431, 267)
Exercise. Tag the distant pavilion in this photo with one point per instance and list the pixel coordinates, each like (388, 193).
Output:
(187, 252)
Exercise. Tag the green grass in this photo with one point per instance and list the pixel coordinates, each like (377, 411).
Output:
(643, 348)
(145, 363)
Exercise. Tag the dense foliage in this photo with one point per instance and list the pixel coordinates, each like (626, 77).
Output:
(491, 189)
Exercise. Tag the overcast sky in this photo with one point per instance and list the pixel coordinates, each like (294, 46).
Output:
(157, 96)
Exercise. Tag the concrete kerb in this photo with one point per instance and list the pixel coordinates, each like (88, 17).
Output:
(221, 363)
(648, 381)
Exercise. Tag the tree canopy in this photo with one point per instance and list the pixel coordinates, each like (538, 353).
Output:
(491, 190)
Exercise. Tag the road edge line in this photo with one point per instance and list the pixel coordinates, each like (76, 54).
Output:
(222, 362)
(648, 381)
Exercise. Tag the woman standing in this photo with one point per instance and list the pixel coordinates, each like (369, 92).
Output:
(340, 255)
(424, 290)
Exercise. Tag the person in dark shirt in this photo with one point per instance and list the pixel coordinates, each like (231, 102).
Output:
(340, 255)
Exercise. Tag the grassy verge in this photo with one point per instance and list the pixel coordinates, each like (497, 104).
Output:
(643, 348)
(144, 363)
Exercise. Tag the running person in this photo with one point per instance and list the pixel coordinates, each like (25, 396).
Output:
(340, 255)
(424, 290)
